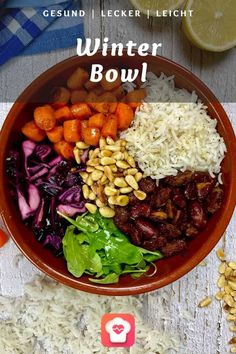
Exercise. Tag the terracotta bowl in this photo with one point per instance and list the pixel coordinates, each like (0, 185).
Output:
(168, 269)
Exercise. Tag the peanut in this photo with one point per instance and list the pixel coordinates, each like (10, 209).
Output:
(138, 176)
(140, 194)
(106, 153)
(107, 212)
(131, 182)
(96, 175)
(81, 145)
(126, 190)
(122, 164)
(85, 190)
(108, 173)
(122, 200)
(92, 208)
(109, 191)
(76, 155)
(120, 182)
(110, 141)
(107, 161)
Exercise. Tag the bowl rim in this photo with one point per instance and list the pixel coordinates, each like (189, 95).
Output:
(153, 284)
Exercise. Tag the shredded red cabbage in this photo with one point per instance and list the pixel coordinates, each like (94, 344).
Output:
(42, 183)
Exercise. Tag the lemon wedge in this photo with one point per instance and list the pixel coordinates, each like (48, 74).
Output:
(156, 5)
(212, 25)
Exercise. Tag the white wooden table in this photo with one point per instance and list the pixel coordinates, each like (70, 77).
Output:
(200, 330)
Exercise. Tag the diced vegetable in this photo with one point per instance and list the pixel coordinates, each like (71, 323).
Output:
(80, 111)
(61, 97)
(97, 120)
(110, 127)
(33, 132)
(72, 130)
(102, 107)
(109, 86)
(64, 149)
(125, 115)
(77, 79)
(56, 134)
(63, 113)
(91, 136)
(135, 97)
(78, 96)
(44, 117)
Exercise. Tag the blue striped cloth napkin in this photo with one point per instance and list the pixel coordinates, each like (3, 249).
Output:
(27, 31)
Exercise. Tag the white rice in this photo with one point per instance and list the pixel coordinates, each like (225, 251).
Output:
(173, 132)
(52, 319)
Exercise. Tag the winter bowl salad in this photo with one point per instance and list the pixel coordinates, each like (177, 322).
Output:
(115, 177)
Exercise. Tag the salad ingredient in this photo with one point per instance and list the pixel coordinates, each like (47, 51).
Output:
(64, 149)
(44, 117)
(135, 97)
(110, 127)
(3, 238)
(63, 113)
(91, 136)
(78, 96)
(155, 7)
(81, 111)
(211, 26)
(97, 120)
(109, 86)
(41, 183)
(77, 79)
(125, 115)
(110, 175)
(100, 249)
(61, 97)
(167, 218)
(56, 134)
(72, 130)
(169, 137)
(33, 132)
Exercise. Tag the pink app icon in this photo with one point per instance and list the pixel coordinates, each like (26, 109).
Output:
(117, 330)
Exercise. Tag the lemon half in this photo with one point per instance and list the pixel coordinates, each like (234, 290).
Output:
(212, 25)
(156, 5)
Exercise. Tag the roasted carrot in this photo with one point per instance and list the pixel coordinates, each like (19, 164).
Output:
(77, 79)
(110, 127)
(56, 134)
(109, 86)
(135, 97)
(80, 111)
(110, 99)
(90, 85)
(101, 107)
(33, 132)
(63, 113)
(44, 117)
(84, 125)
(97, 120)
(61, 97)
(125, 115)
(64, 149)
(78, 96)
(91, 99)
(91, 136)
(72, 130)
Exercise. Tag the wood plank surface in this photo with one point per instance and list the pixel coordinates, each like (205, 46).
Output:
(202, 331)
